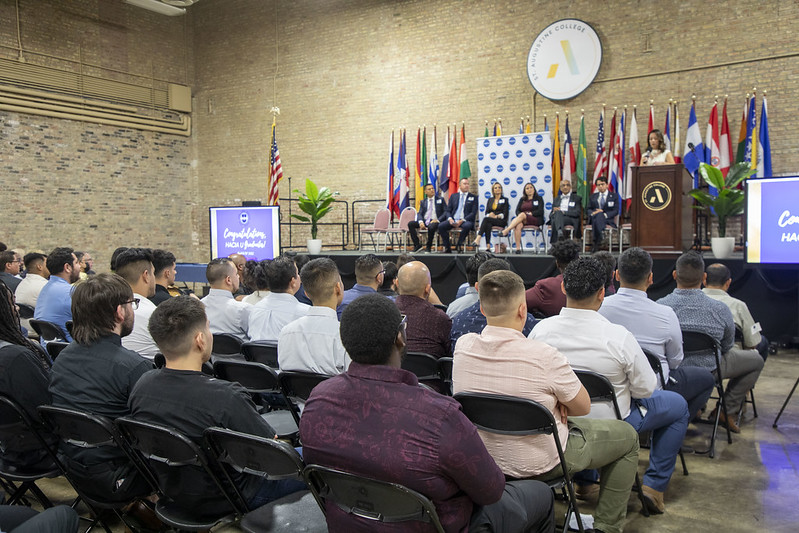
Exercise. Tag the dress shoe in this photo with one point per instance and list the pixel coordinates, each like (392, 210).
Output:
(447, 250)
(653, 499)
(725, 421)
(143, 514)
(417, 248)
(518, 251)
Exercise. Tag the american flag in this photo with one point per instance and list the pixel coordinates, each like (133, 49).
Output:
(275, 171)
(601, 158)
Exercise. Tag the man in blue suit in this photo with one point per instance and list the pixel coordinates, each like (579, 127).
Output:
(603, 208)
(461, 214)
(431, 212)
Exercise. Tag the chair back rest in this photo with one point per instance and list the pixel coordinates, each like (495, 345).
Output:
(440, 306)
(17, 429)
(300, 384)
(54, 348)
(506, 415)
(654, 362)
(48, 331)
(408, 215)
(599, 389)
(255, 377)
(260, 352)
(698, 341)
(445, 369)
(25, 311)
(382, 219)
(422, 364)
(79, 428)
(250, 454)
(371, 499)
(226, 344)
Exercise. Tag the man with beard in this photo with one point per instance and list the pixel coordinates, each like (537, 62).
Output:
(96, 374)
(55, 300)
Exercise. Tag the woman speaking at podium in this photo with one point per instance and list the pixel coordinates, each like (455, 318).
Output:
(656, 153)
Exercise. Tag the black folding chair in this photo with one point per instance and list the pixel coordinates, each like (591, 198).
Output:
(226, 345)
(445, 373)
(48, 331)
(270, 459)
(54, 348)
(600, 389)
(298, 386)
(426, 369)
(371, 499)
(785, 403)
(90, 431)
(506, 415)
(699, 343)
(169, 451)
(654, 362)
(25, 311)
(260, 352)
(259, 379)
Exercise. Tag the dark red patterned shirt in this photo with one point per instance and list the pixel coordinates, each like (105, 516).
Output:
(428, 327)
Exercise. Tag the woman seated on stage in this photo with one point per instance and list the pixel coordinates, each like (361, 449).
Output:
(529, 212)
(496, 214)
(657, 154)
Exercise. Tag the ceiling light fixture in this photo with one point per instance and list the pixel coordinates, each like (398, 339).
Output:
(157, 7)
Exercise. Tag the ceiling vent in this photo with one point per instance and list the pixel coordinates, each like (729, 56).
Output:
(170, 8)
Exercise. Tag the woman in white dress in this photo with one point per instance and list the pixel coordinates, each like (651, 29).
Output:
(657, 154)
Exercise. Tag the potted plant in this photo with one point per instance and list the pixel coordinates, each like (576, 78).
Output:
(316, 203)
(729, 201)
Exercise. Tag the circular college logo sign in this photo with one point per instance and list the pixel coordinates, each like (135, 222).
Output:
(564, 59)
(656, 196)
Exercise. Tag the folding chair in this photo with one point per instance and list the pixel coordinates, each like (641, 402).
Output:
(537, 232)
(380, 225)
(408, 215)
(609, 231)
(298, 386)
(654, 362)
(226, 346)
(445, 373)
(270, 459)
(54, 348)
(260, 352)
(371, 499)
(48, 331)
(173, 454)
(699, 343)
(25, 311)
(600, 389)
(506, 415)
(425, 367)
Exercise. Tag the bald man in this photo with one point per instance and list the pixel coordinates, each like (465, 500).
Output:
(428, 327)
(239, 261)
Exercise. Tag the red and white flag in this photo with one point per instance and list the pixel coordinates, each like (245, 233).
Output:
(651, 124)
(601, 157)
(611, 147)
(725, 147)
(635, 158)
(712, 138)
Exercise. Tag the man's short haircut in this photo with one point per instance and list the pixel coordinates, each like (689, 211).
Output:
(319, 278)
(609, 262)
(31, 258)
(583, 278)
(376, 314)
(603, 179)
(94, 305)
(500, 292)
(367, 267)
(635, 264)
(218, 268)
(564, 252)
(404, 258)
(690, 269)
(255, 275)
(299, 259)
(133, 262)
(58, 258)
(114, 256)
(717, 275)
(174, 323)
(162, 259)
(6, 256)
(492, 265)
(390, 274)
(280, 271)
(473, 266)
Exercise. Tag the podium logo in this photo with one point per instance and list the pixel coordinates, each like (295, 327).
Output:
(656, 196)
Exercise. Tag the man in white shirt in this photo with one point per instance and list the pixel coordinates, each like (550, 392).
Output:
(656, 328)
(471, 296)
(590, 342)
(225, 314)
(36, 278)
(135, 265)
(312, 343)
(279, 307)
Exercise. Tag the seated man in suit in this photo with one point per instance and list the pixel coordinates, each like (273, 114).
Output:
(603, 208)
(461, 214)
(566, 211)
(431, 213)
(55, 299)
(376, 421)
(546, 296)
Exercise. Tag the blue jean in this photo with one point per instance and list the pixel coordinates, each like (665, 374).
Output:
(694, 383)
(273, 489)
(667, 418)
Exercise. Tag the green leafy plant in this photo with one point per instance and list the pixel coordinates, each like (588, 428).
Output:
(316, 203)
(729, 201)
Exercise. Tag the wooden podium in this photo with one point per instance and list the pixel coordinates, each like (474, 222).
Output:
(662, 216)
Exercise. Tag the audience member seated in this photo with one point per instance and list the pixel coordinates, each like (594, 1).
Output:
(312, 342)
(87, 264)
(255, 275)
(697, 311)
(21, 519)
(590, 342)
(224, 312)
(656, 329)
(404, 259)
(566, 211)
(35, 279)
(546, 296)
(362, 420)
(300, 260)
(24, 375)
(608, 262)
(164, 272)
(461, 215)
(717, 286)
(431, 212)
(603, 208)
(55, 299)
(96, 374)
(279, 307)
(500, 360)
(472, 319)
(10, 265)
(469, 297)
(242, 290)
(135, 265)
(83, 275)
(428, 328)
(368, 278)
(181, 396)
(389, 286)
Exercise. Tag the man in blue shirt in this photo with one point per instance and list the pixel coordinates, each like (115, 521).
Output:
(368, 278)
(55, 300)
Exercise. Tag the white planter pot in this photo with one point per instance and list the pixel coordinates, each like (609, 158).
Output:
(722, 247)
(314, 246)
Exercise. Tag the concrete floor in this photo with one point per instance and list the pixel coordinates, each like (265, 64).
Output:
(751, 485)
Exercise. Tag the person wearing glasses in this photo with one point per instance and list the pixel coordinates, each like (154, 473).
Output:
(96, 374)
(369, 275)
(135, 265)
(10, 265)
